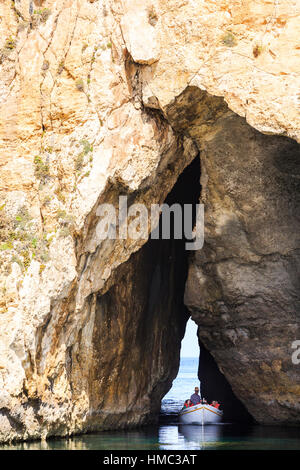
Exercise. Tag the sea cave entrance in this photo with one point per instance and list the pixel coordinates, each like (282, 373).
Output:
(139, 325)
(187, 377)
(197, 367)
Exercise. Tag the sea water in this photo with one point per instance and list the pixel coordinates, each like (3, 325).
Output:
(170, 435)
(183, 386)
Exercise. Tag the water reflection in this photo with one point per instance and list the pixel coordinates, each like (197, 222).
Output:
(189, 436)
(173, 436)
(201, 436)
(229, 436)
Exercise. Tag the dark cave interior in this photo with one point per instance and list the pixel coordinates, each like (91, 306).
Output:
(214, 384)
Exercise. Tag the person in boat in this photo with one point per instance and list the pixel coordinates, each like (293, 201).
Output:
(187, 403)
(204, 401)
(195, 398)
(215, 403)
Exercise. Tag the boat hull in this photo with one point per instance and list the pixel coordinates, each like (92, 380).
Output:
(200, 414)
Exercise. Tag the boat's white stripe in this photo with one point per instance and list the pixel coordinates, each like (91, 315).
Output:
(212, 411)
(191, 411)
(219, 413)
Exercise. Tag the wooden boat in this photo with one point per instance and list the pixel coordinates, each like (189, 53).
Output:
(200, 414)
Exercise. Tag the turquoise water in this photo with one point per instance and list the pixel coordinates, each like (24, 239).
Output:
(176, 437)
(170, 435)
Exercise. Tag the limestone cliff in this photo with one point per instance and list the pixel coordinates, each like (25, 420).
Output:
(117, 97)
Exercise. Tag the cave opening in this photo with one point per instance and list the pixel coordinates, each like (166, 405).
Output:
(139, 325)
(196, 365)
(198, 368)
(187, 377)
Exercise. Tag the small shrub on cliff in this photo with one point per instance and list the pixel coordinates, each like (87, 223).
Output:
(40, 16)
(152, 16)
(9, 45)
(42, 170)
(16, 259)
(79, 84)
(86, 148)
(17, 229)
(26, 258)
(45, 65)
(61, 67)
(95, 51)
(60, 195)
(48, 149)
(21, 227)
(6, 246)
(4, 229)
(257, 50)
(22, 25)
(66, 222)
(23, 218)
(229, 40)
(46, 201)
(42, 267)
(45, 13)
(21, 239)
(79, 161)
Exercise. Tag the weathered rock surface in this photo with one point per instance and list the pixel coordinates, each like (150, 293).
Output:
(101, 99)
(243, 287)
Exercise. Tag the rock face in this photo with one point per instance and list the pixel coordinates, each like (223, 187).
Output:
(243, 287)
(102, 99)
